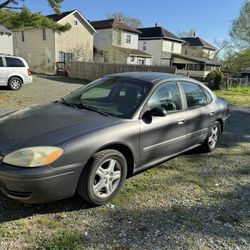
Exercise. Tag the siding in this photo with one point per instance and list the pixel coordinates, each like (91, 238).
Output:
(103, 39)
(78, 40)
(198, 51)
(39, 53)
(154, 48)
(6, 44)
(167, 47)
(134, 40)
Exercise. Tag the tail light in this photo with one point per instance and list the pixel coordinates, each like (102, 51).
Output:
(29, 73)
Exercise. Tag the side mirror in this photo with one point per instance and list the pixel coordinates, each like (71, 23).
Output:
(158, 111)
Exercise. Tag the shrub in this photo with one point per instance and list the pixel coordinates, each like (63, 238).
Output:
(215, 77)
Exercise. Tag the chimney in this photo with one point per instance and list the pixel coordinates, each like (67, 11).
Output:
(156, 24)
(194, 34)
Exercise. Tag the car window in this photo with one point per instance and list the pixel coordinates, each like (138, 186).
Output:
(208, 95)
(1, 62)
(14, 62)
(116, 96)
(166, 96)
(194, 94)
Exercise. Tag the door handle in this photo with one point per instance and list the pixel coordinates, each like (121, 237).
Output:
(181, 122)
(211, 113)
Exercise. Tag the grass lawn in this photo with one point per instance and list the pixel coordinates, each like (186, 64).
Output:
(238, 96)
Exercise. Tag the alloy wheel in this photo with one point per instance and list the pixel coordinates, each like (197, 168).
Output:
(15, 84)
(213, 138)
(107, 178)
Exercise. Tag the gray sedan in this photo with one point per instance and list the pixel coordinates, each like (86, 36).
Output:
(90, 141)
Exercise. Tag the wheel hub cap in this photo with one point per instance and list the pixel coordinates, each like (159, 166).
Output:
(107, 178)
(213, 138)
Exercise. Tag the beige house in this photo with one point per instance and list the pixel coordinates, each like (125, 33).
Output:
(195, 46)
(117, 42)
(43, 48)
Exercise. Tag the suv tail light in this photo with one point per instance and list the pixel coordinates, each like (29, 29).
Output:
(29, 73)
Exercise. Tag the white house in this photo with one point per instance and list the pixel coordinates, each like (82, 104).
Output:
(43, 48)
(195, 46)
(6, 41)
(160, 43)
(117, 42)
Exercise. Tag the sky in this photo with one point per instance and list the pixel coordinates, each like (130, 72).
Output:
(211, 18)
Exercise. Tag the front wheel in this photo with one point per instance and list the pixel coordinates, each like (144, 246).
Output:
(213, 136)
(103, 177)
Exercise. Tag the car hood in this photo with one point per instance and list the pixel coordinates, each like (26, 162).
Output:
(48, 125)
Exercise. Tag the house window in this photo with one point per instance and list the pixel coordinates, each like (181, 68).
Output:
(144, 45)
(186, 52)
(75, 22)
(66, 57)
(172, 46)
(132, 58)
(44, 34)
(128, 39)
(141, 61)
(22, 34)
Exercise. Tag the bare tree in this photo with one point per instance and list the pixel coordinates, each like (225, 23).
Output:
(133, 22)
(54, 4)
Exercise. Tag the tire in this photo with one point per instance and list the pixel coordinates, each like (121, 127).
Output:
(102, 177)
(213, 136)
(15, 83)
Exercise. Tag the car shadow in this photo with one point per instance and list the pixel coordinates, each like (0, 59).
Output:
(13, 210)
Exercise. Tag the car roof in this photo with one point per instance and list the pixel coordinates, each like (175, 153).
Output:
(153, 77)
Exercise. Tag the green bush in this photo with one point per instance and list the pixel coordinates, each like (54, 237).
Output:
(216, 78)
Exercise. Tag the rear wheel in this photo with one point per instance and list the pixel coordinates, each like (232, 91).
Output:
(15, 83)
(103, 177)
(214, 133)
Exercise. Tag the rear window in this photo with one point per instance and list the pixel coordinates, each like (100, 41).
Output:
(14, 62)
(1, 62)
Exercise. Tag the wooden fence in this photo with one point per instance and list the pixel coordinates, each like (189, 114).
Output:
(91, 71)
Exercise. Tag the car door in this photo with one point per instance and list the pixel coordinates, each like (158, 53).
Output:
(161, 137)
(3, 72)
(199, 113)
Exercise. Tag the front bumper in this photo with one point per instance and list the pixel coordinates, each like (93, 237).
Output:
(38, 185)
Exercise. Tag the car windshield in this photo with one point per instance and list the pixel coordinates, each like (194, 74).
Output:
(112, 96)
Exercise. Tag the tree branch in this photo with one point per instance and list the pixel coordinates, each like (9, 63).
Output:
(6, 3)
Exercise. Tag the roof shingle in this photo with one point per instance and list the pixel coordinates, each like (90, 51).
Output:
(58, 17)
(3, 30)
(113, 24)
(136, 52)
(197, 41)
(157, 32)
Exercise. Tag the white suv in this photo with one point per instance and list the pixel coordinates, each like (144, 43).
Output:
(14, 72)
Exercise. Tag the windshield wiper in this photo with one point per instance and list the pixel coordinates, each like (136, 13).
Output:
(63, 101)
(84, 106)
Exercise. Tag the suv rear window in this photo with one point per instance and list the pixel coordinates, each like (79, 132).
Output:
(14, 62)
(1, 62)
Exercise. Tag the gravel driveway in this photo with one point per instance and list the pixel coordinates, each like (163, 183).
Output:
(43, 90)
(196, 201)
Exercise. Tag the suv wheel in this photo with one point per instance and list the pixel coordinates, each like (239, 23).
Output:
(15, 83)
(103, 177)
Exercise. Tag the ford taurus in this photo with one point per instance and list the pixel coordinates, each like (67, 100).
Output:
(90, 141)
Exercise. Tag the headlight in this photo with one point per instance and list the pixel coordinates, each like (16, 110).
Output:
(33, 156)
